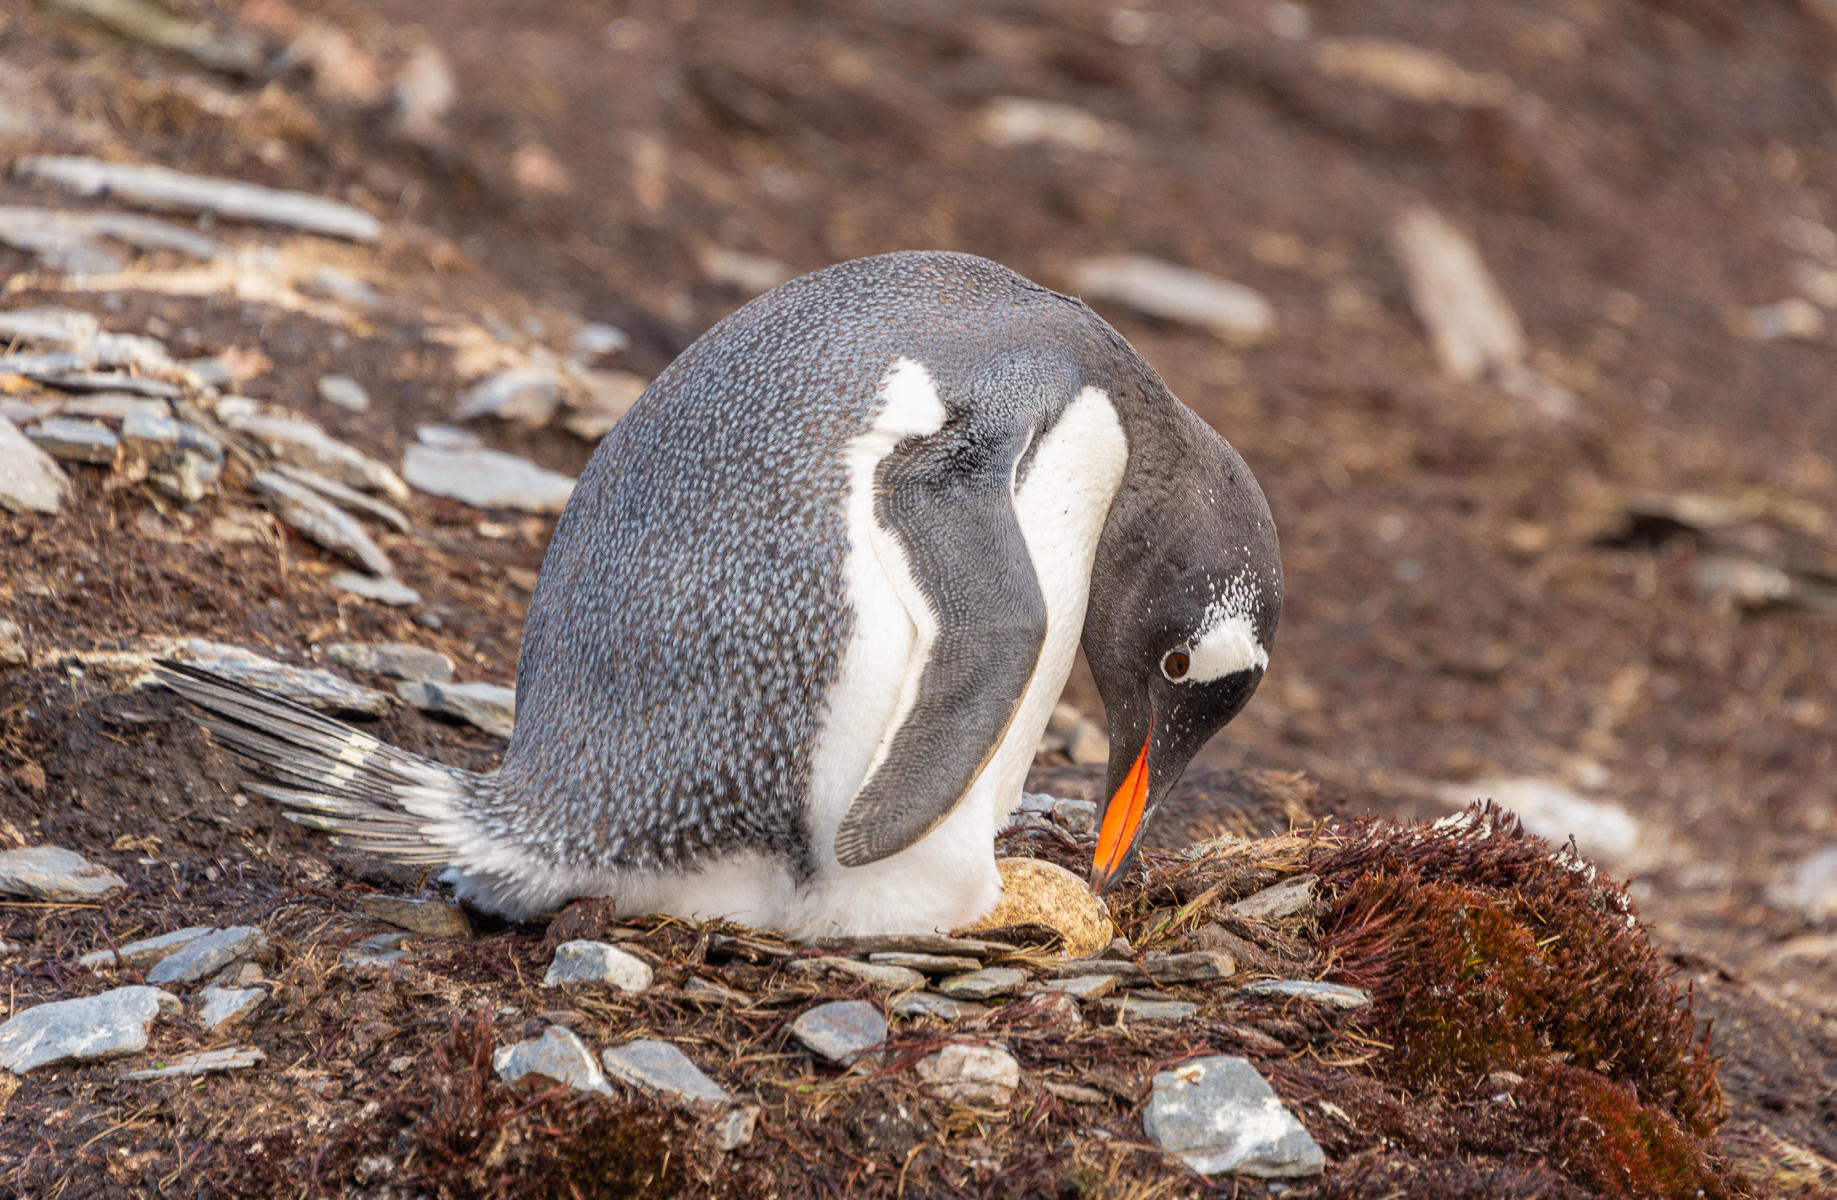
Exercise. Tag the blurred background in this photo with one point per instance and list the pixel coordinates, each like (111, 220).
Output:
(1521, 314)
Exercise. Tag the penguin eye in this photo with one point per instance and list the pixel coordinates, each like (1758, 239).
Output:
(1176, 662)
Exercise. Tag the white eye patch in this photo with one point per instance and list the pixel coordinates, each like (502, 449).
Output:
(1227, 646)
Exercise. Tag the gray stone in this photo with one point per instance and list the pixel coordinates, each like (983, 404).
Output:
(1470, 322)
(1021, 121)
(382, 589)
(749, 273)
(210, 953)
(380, 952)
(486, 479)
(1084, 987)
(930, 964)
(347, 498)
(734, 1128)
(321, 522)
(842, 1031)
(303, 685)
(304, 444)
(1135, 1007)
(65, 240)
(1279, 900)
(706, 991)
(144, 952)
(1219, 1115)
(527, 395)
(930, 1004)
(1336, 994)
(203, 1062)
(53, 326)
(448, 437)
(558, 1056)
(597, 962)
(189, 472)
(345, 392)
(74, 440)
(12, 644)
(490, 706)
(108, 381)
(603, 398)
(227, 1006)
(56, 874)
(435, 918)
(149, 436)
(664, 1070)
(114, 406)
(1810, 887)
(892, 979)
(104, 1026)
(1123, 970)
(398, 660)
(424, 90)
(168, 190)
(1170, 293)
(345, 287)
(915, 943)
(30, 479)
(595, 341)
(1196, 966)
(983, 984)
(972, 1073)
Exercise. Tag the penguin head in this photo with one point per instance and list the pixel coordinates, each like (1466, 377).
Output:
(1185, 596)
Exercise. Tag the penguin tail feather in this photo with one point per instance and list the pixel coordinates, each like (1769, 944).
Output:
(369, 795)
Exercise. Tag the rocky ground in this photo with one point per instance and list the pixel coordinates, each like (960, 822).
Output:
(1518, 312)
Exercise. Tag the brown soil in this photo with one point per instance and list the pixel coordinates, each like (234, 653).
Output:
(1453, 611)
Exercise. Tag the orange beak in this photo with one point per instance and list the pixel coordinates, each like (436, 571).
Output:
(1122, 820)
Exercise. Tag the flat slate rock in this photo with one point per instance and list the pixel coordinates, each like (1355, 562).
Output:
(398, 660)
(203, 1062)
(173, 191)
(108, 1025)
(1197, 966)
(380, 588)
(226, 1006)
(1133, 1007)
(144, 952)
(321, 522)
(208, 954)
(486, 479)
(345, 392)
(76, 439)
(916, 943)
(304, 444)
(30, 479)
(558, 1056)
(584, 961)
(930, 964)
(55, 874)
(891, 978)
(984, 984)
(303, 685)
(1084, 987)
(1279, 900)
(930, 1004)
(1336, 994)
(1171, 293)
(1219, 1115)
(346, 497)
(490, 706)
(435, 918)
(664, 1070)
(972, 1073)
(842, 1031)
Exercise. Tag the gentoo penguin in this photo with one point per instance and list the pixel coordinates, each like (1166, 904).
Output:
(801, 625)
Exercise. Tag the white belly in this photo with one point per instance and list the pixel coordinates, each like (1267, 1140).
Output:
(948, 878)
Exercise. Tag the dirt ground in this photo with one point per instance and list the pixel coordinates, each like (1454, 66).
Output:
(1462, 603)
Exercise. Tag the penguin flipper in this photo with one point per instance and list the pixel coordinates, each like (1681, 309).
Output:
(969, 584)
